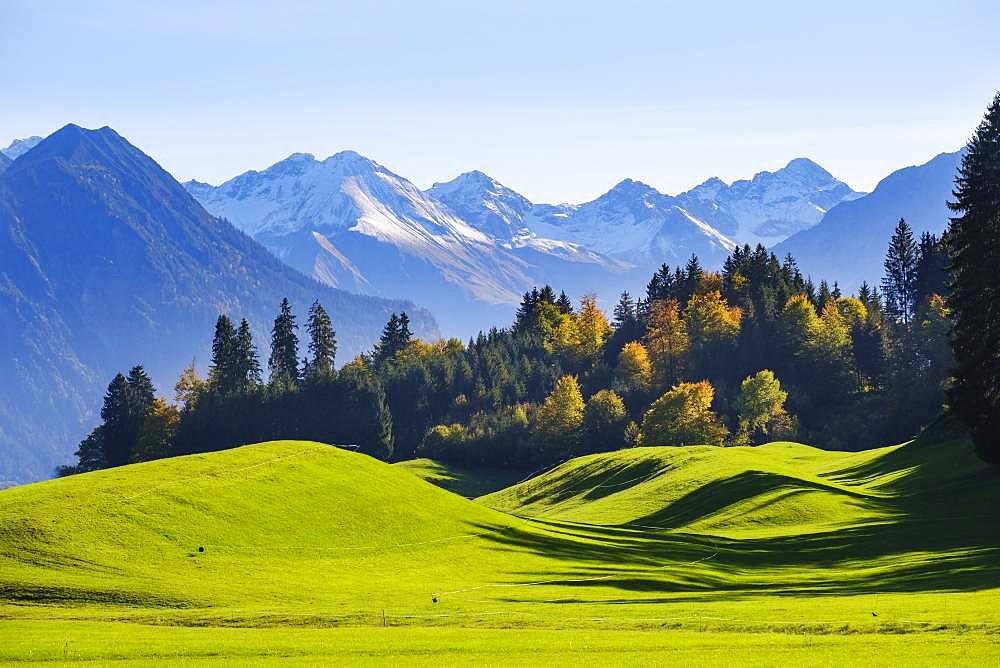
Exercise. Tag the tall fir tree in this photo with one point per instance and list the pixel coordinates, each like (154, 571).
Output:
(247, 366)
(974, 241)
(284, 361)
(117, 427)
(565, 304)
(899, 284)
(222, 372)
(322, 342)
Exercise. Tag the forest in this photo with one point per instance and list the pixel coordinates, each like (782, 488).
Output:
(753, 353)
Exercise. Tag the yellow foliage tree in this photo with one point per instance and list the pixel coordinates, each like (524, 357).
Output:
(667, 339)
(189, 387)
(634, 369)
(760, 402)
(709, 318)
(592, 327)
(799, 321)
(559, 421)
(683, 416)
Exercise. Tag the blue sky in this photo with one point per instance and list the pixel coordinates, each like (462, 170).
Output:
(559, 100)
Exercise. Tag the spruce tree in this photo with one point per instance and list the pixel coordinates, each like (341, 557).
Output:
(624, 311)
(405, 334)
(565, 304)
(322, 342)
(284, 361)
(222, 372)
(974, 241)
(247, 366)
(388, 343)
(117, 432)
(899, 285)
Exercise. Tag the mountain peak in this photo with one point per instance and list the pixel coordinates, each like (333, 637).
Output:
(805, 166)
(631, 187)
(19, 147)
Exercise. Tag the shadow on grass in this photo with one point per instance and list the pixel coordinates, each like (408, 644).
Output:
(939, 534)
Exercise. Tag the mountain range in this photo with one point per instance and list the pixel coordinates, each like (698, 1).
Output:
(105, 262)
(475, 244)
(850, 242)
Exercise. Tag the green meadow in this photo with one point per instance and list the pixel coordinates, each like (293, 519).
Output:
(300, 552)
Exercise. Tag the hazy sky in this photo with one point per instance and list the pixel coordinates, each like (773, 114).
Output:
(558, 100)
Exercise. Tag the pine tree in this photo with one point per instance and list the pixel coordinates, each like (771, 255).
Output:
(388, 343)
(116, 442)
(824, 295)
(284, 361)
(405, 334)
(245, 362)
(974, 241)
(899, 285)
(624, 311)
(692, 278)
(222, 372)
(565, 304)
(322, 342)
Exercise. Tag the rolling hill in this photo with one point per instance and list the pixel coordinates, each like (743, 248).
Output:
(300, 537)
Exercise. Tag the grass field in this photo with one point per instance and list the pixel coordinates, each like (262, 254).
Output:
(302, 552)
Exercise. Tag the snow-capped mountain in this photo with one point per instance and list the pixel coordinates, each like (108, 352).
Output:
(19, 147)
(503, 214)
(350, 222)
(771, 206)
(635, 223)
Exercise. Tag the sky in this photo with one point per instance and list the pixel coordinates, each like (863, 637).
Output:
(558, 100)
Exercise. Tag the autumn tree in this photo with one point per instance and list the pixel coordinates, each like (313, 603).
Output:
(634, 370)
(667, 341)
(683, 416)
(558, 425)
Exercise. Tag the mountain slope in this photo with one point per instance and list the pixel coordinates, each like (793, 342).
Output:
(770, 207)
(849, 244)
(106, 261)
(4, 163)
(350, 222)
(634, 223)
(19, 147)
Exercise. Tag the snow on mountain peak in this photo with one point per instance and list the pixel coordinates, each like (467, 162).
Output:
(19, 147)
(769, 207)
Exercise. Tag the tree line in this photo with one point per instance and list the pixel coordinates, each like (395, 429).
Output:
(751, 353)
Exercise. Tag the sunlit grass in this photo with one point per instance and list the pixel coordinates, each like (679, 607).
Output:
(783, 552)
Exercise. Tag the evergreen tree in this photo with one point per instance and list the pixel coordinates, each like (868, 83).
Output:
(624, 311)
(565, 304)
(899, 285)
(692, 279)
(932, 269)
(245, 362)
(322, 342)
(284, 361)
(824, 295)
(405, 335)
(974, 240)
(222, 373)
(116, 442)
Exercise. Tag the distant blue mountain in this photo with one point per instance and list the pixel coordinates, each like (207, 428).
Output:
(106, 261)
(849, 243)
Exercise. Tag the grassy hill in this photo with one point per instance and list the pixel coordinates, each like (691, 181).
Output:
(462, 480)
(292, 550)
